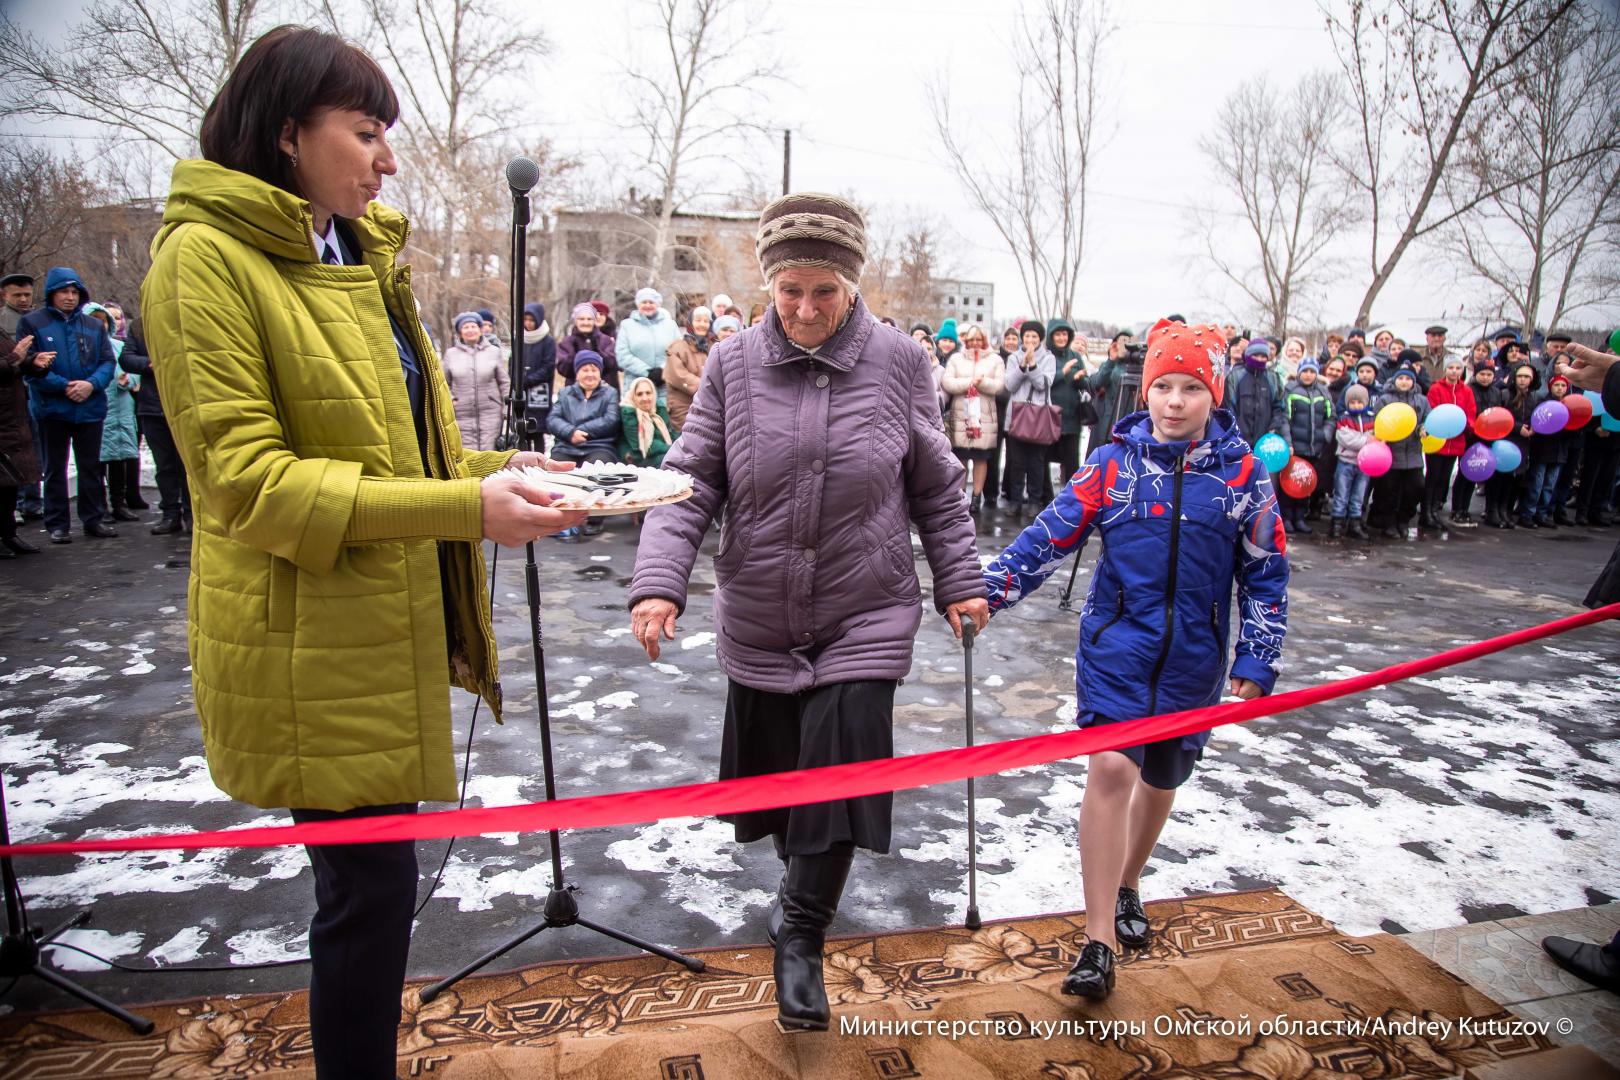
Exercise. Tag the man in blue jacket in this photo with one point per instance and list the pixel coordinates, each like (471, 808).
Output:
(69, 400)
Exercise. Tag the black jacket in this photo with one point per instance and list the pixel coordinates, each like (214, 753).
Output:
(135, 360)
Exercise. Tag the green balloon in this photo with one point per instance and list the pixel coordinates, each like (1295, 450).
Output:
(1614, 342)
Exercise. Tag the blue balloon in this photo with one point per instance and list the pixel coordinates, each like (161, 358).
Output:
(1610, 423)
(1507, 454)
(1597, 403)
(1446, 421)
(1273, 452)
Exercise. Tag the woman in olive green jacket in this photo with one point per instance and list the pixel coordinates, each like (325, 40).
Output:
(337, 583)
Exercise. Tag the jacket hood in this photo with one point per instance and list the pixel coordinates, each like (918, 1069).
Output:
(538, 310)
(264, 216)
(1223, 441)
(1052, 327)
(653, 320)
(60, 277)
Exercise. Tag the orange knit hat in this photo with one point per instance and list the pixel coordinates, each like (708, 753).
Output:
(1199, 351)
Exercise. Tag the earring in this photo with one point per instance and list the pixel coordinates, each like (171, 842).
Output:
(295, 159)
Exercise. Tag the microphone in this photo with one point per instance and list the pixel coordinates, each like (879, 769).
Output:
(521, 175)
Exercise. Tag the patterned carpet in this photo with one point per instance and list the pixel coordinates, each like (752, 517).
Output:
(1241, 957)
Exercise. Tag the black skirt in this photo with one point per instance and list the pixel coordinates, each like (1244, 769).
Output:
(830, 725)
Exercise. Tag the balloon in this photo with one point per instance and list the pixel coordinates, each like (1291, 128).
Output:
(1550, 418)
(1478, 463)
(1580, 411)
(1611, 423)
(1597, 402)
(1433, 443)
(1375, 458)
(1298, 478)
(1273, 452)
(1446, 421)
(1614, 342)
(1493, 423)
(1507, 454)
(1395, 421)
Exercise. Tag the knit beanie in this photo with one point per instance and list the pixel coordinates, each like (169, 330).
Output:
(1032, 324)
(601, 308)
(586, 309)
(1310, 364)
(1356, 397)
(947, 329)
(474, 317)
(811, 229)
(1176, 348)
(1257, 357)
(486, 315)
(587, 358)
(649, 293)
(726, 322)
(1409, 358)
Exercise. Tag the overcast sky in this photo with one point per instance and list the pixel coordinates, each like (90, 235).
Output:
(858, 109)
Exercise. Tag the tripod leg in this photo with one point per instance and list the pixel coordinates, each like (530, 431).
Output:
(140, 1024)
(1065, 603)
(691, 963)
(428, 993)
(972, 922)
(78, 920)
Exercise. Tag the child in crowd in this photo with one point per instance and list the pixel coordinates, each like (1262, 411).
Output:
(1487, 395)
(1438, 466)
(1309, 409)
(1547, 456)
(1399, 492)
(1353, 431)
(1519, 398)
(1184, 509)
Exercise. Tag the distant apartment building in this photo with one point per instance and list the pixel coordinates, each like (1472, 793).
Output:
(967, 302)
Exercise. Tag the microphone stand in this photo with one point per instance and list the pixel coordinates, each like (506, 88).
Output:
(20, 947)
(561, 909)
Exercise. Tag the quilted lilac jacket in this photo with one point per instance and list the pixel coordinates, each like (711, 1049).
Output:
(822, 464)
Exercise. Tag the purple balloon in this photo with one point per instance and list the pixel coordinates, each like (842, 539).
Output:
(1550, 418)
(1478, 463)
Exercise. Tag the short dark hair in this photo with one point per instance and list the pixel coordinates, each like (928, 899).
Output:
(289, 73)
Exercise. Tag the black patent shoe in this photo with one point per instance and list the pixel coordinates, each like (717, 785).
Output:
(1591, 963)
(18, 546)
(166, 527)
(773, 919)
(1130, 921)
(121, 513)
(100, 530)
(1092, 976)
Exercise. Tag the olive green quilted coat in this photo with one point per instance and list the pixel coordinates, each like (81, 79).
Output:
(316, 626)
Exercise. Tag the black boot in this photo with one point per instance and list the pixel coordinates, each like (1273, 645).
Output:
(1356, 531)
(1301, 526)
(1561, 517)
(1093, 974)
(809, 901)
(1335, 528)
(976, 506)
(166, 526)
(120, 512)
(1590, 963)
(1130, 921)
(17, 545)
(773, 918)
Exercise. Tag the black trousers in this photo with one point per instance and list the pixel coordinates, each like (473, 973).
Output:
(995, 485)
(8, 511)
(1067, 455)
(174, 498)
(123, 477)
(365, 895)
(1396, 497)
(829, 725)
(85, 441)
(1026, 470)
(1437, 481)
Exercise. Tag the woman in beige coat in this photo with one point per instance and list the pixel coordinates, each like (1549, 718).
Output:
(479, 382)
(683, 364)
(973, 378)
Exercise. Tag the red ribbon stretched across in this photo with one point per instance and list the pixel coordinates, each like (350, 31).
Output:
(806, 785)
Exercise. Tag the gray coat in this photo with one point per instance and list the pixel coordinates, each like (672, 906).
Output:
(479, 382)
(822, 463)
(1035, 384)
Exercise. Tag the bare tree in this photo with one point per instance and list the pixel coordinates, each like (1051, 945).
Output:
(1542, 241)
(696, 102)
(147, 69)
(905, 259)
(1271, 154)
(43, 202)
(453, 63)
(1424, 75)
(1039, 204)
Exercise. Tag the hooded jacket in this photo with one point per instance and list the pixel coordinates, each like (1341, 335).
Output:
(479, 382)
(643, 343)
(317, 612)
(1462, 396)
(84, 353)
(1310, 417)
(539, 355)
(823, 465)
(1179, 522)
(1353, 431)
(1550, 449)
(597, 416)
(1069, 391)
(1256, 399)
(119, 438)
(1408, 452)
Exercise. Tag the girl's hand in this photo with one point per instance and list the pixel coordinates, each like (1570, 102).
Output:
(1245, 689)
(1526, 430)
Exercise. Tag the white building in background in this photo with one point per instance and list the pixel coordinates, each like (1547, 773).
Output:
(968, 302)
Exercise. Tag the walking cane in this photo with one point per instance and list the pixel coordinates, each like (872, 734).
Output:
(973, 922)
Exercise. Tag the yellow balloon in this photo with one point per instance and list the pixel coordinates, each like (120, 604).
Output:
(1395, 422)
(1432, 444)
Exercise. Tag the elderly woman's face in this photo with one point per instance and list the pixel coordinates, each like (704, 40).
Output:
(589, 377)
(1294, 351)
(645, 397)
(811, 302)
(724, 332)
(1334, 369)
(471, 332)
(648, 308)
(700, 325)
(585, 324)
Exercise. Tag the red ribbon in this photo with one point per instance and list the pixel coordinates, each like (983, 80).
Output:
(806, 785)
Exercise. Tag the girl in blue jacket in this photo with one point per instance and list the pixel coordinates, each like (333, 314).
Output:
(1184, 508)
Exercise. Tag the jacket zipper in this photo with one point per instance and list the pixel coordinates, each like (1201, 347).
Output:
(1170, 587)
(1119, 613)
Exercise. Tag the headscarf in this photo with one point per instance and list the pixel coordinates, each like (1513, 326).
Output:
(648, 422)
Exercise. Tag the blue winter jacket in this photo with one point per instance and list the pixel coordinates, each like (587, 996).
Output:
(83, 353)
(1178, 521)
(597, 416)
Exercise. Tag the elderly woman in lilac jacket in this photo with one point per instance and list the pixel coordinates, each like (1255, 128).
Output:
(819, 432)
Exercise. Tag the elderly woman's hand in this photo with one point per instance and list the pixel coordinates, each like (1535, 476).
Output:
(1585, 368)
(650, 618)
(978, 610)
(515, 513)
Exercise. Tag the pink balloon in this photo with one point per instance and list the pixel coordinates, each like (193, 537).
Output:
(1375, 458)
